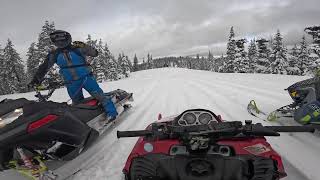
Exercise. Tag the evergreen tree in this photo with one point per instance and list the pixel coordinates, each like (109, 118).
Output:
(124, 67)
(211, 63)
(241, 62)
(278, 56)
(262, 61)
(135, 63)
(108, 59)
(2, 72)
(32, 61)
(314, 31)
(149, 61)
(294, 50)
(197, 63)
(293, 64)
(43, 47)
(303, 58)
(129, 64)
(252, 56)
(99, 63)
(13, 75)
(113, 72)
(203, 63)
(119, 66)
(231, 53)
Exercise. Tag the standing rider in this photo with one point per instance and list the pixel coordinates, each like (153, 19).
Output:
(77, 74)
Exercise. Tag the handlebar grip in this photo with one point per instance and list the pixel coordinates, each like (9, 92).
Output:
(292, 128)
(121, 134)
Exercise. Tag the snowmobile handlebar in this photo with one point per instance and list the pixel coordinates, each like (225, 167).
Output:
(246, 130)
(292, 128)
(121, 134)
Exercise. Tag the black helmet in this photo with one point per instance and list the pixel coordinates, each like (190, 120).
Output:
(61, 38)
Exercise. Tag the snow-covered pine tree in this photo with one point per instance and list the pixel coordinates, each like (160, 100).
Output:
(278, 57)
(107, 58)
(124, 67)
(149, 61)
(211, 66)
(99, 63)
(241, 61)
(119, 67)
(228, 65)
(2, 72)
(294, 50)
(203, 63)
(293, 64)
(197, 63)
(303, 61)
(252, 56)
(113, 72)
(135, 63)
(314, 31)
(43, 46)
(14, 77)
(32, 61)
(129, 64)
(262, 62)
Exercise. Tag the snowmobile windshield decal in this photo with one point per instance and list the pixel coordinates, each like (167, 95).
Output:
(257, 149)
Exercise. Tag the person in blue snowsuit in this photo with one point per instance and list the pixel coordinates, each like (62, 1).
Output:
(77, 73)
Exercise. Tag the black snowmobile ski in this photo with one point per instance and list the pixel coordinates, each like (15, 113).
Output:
(38, 138)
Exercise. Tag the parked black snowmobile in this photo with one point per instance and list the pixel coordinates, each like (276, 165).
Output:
(33, 134)
(304, 109)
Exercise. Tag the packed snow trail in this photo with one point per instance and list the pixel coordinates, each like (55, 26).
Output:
(172, 90)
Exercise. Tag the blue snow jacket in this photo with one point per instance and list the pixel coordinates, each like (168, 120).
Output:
(71, 60)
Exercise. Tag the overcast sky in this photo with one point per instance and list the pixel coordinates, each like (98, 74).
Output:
(162, 27)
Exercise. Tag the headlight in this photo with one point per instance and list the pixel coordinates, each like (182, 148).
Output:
(10, 117)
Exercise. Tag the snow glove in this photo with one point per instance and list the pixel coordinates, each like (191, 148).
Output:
(34, 82)
(110, 109)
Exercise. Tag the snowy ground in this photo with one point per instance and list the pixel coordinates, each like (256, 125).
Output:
(170, 91)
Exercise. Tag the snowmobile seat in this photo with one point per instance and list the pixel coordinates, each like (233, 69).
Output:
(89, 103)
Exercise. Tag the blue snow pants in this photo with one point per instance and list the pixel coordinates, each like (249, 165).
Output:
(90, 84)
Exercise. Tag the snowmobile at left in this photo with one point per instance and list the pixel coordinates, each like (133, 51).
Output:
(35, 136)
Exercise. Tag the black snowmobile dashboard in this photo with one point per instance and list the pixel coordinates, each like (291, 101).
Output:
(196, 117)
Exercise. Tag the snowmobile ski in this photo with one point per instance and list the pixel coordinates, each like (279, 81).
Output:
(283, 112)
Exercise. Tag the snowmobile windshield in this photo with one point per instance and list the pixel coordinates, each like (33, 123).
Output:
(10, 117)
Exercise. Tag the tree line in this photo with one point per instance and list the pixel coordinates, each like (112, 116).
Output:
(261, 55)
